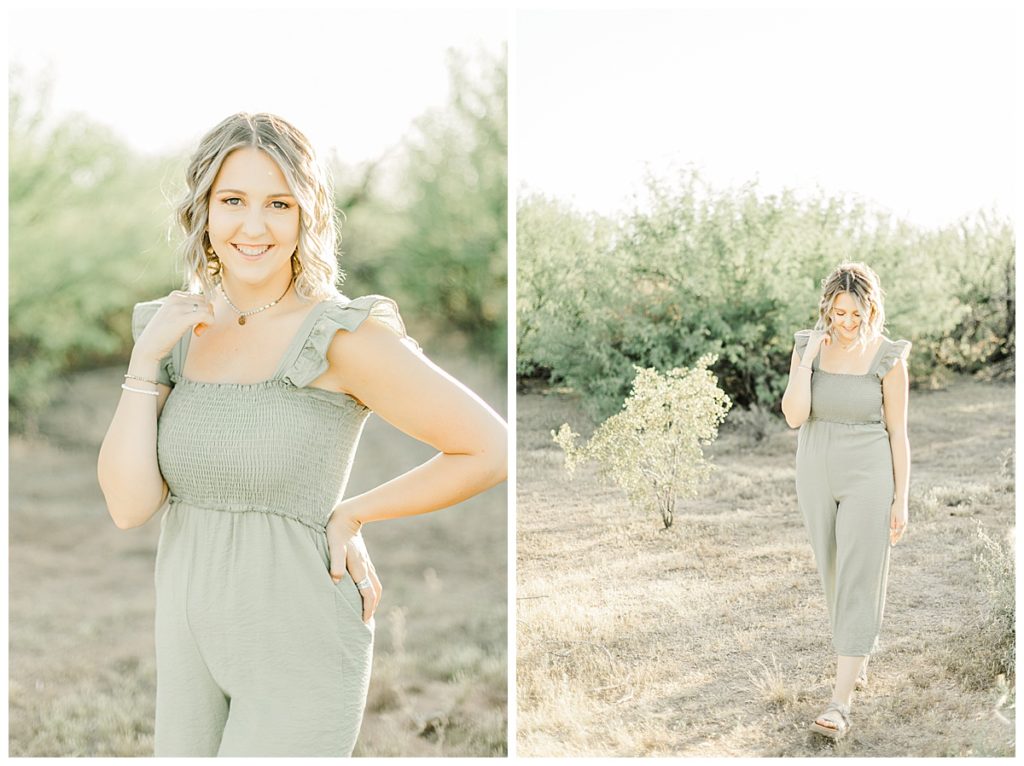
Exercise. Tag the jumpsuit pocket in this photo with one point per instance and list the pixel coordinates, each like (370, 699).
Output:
(349, 593)
(345, 589)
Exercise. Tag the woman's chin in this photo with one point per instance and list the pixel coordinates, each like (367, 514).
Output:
(255, 272)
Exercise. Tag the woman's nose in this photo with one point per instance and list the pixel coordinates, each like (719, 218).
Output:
(253, 223)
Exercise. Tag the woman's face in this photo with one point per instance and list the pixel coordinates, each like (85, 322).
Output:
(846, 317)
(254, 219)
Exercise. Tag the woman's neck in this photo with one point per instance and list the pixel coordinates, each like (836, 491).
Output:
(856, 347)
(248, 295)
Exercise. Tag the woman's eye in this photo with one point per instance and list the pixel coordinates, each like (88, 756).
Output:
(231, 201)
(284, 205)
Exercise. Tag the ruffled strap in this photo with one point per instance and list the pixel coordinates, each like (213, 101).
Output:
(802, 337)
(894, 351)
(342, 314)
(142, 313)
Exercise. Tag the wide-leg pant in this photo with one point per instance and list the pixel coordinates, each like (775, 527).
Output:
(258, 651)
(845, 487)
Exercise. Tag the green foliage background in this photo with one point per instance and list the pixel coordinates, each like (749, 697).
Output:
(91, 230)
(735, 272)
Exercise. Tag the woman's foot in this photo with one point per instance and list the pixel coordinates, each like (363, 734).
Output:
(834, 722)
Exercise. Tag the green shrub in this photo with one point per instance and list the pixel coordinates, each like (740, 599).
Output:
(696, 270)
(652, 448)
(87, 240)
(996, 563)
(568, 274)
(456, 229)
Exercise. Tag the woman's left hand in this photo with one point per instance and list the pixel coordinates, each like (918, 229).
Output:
(348, 552)
(897, 521)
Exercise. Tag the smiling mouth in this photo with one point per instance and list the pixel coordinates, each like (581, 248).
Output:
(251, 251)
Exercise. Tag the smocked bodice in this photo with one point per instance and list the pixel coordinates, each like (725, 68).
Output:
(266, 446)
(278, 446)
(853, 399)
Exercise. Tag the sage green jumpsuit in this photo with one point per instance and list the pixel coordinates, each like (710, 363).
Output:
(845, 488)
(258, 651)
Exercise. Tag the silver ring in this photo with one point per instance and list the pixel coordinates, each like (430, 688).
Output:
(364, 584)
(195, 307)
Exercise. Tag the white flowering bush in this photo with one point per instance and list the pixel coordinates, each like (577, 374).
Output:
(652, 448)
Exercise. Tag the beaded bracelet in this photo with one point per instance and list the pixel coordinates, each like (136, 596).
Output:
(144, 380)
(126, 387)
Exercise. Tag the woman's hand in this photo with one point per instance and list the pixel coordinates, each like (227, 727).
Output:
(898, 518)
(818, 339)
(348, 552)
(180, 312)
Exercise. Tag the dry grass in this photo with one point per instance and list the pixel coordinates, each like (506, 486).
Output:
(82, 675)
(712, 639)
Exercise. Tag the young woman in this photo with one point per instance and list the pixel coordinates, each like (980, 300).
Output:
(242, 407)
(847, 394)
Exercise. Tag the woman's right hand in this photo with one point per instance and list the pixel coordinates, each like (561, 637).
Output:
(180, 312)
(818, 339)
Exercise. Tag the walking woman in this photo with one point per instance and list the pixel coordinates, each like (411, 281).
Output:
(242, 407)
(847, 393)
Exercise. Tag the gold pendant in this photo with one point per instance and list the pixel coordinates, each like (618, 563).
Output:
(241, 320)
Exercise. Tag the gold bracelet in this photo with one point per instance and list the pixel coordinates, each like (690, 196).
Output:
(126, 387)
(144, 380)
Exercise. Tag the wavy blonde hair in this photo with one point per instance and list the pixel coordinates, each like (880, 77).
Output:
(861, 282)
(315, 261)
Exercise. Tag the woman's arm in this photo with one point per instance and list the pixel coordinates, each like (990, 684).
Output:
(127, 469)
(409, 391)
(895, 387)
(796, 402)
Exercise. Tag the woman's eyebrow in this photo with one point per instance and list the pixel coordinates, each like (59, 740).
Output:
(243, 194)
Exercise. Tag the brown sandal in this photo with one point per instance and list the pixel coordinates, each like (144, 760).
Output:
(838, 714)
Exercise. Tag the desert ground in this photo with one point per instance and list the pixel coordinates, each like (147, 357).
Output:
(711, 638)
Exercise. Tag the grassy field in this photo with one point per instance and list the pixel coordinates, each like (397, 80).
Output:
(711, 638)
(82, 672)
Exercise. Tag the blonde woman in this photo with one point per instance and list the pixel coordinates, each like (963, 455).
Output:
(242, 407)
(847, 394)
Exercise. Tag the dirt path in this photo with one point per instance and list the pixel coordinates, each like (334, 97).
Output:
(82, 676)
(711, 638)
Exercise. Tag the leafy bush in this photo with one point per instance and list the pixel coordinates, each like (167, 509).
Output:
(567, 275)
(697, 270)
(996, 563)
(983, 654)
(652, 448)
(87, 240)
(438, 242)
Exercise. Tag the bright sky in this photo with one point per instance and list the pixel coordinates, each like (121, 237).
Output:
(350, 79)
(911, 109)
